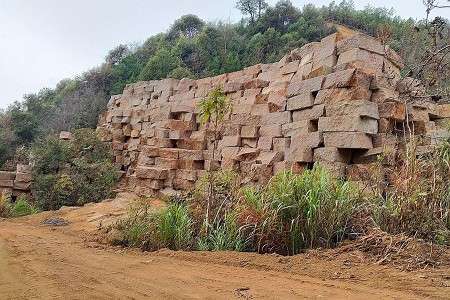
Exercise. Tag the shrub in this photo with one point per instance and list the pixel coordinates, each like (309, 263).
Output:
(72, 172)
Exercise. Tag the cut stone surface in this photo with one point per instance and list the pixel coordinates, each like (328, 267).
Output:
(348, 123)
(351, 140)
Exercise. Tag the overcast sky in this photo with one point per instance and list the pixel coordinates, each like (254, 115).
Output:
(44, 41)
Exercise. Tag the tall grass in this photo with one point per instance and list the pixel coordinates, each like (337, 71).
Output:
(22, 207)
(295, 212)
(291, 213)
(417, 199)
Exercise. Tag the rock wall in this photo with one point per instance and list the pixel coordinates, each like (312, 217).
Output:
(339, 102)
(16, 183)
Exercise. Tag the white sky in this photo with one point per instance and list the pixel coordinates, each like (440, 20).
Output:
(44, 41)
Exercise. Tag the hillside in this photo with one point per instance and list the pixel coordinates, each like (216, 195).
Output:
(195, 49)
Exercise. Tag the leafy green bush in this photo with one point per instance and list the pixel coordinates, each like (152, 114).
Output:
(72, 172)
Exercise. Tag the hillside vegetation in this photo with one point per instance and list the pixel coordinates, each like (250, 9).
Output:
(194, 48)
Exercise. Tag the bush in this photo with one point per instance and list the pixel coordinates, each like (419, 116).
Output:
(72, 172)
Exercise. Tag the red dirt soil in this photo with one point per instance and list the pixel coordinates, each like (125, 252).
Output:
(39, 261)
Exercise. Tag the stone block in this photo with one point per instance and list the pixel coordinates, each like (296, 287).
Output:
(336, 169)
(249, 142)
(300, 101)
(191, 164)
(276, 102)
(281, 144)
(265, 143)
(313, 113)
(290, 67)
(150, 151)
(443, 110)
(245, 119)
(230, 152)
(152, 172)
(255, 83)
(270, 130)
(269, 157)
(385, 95)
(331, 96)
(166, 163)
(247, 154)
(276, 118)
(230, 141)
(385, 125)
(361, 41)
(297, 127)
(249, 131)
(362, 108)
(7, 175)
(22, 186)
(369, 62)
(160, 142)
(23, 177)
(348, 123)
(307, 140)
(332, 154)
(392, 110)
(306, 86)
(191, 144)
(6, 183)
(347, 78)
(185, 154)
(351, 140)
(299, 154)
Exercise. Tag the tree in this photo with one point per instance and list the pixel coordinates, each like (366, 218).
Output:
(253, 8)
(213, 111)
(189, 25)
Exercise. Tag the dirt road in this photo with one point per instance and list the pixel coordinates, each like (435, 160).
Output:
(40, 261)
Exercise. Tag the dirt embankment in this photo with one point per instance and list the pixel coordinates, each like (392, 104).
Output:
(39, 261)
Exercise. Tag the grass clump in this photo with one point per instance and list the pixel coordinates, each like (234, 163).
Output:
(150, 229)
(295, 212)
(416, 200)
(21, 207)
(291, 213)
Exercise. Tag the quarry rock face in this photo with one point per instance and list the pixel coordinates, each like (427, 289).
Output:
(340, 102)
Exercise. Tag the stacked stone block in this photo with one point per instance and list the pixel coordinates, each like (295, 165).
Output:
(16, 183)
(340, 102)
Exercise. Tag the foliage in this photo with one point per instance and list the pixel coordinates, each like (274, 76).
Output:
(21, 207)
(417, 198)
(295, 212)
(193, 48)
(292, 213)
(72, 172)
(170, 227)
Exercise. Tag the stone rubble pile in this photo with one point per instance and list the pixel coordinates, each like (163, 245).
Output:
(16, 183)
(340, 102)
